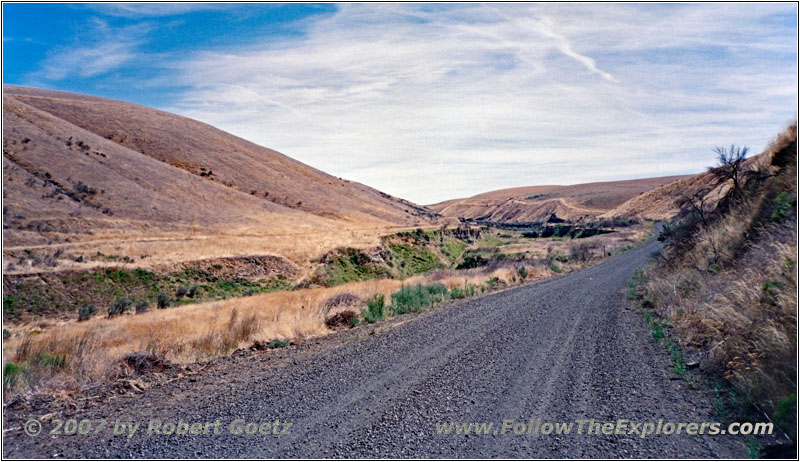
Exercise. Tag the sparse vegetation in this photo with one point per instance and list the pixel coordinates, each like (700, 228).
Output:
(726, 282)
(142, 306)
(86, 311)
(121, 306)
(163, 301)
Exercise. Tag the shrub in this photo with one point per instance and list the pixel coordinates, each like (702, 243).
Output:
(554, 267)
(142, 306)
(456, 293)
(85, 312)
(191, 292)
(6, 334)
(82, 190)
(343, 319)
(375, 306)
(472, 261)
(163, 301)
(785, 415)
(122, 305)
(582, 251)
(181, 291)
(277, 344)
(437, 291)
(143, 362)
(413, 299)
(666, 232)
(782, 205)
(523, 272)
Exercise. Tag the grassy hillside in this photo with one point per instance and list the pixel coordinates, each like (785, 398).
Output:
(726, 285)
(210, 155)
(86, 176)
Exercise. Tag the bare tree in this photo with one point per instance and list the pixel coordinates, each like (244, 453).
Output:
(731, 166)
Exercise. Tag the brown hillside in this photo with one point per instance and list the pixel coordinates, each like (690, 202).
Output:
(538, 203)
(664, 202)
(83, 175)
(214, 156)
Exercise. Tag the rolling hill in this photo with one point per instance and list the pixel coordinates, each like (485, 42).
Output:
(80, 169)
(538, 203)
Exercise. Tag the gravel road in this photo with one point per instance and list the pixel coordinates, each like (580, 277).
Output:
(559, 350)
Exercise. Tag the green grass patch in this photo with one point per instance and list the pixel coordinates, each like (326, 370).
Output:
(277, 344)
(351, 265)
(412, 259)
(69, 291)
(375, 309)
(12, 374)
(453, 249)
(660, 335)
(413, 299)
(489, 240)
(782, 206)
(785, 415)
(633, 283)
(463, 292)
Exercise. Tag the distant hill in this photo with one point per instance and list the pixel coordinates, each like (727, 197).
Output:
(664, 202)
(75, 165)
(538, 203)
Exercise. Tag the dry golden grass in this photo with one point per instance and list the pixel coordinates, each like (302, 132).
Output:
(730, 289)
(160, 250)
(203, 331)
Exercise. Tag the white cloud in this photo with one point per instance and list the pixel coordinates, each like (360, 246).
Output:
(431, 102)
(104, 49)
(137, 10)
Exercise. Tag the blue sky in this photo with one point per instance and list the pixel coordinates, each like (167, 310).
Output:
(431, 102)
